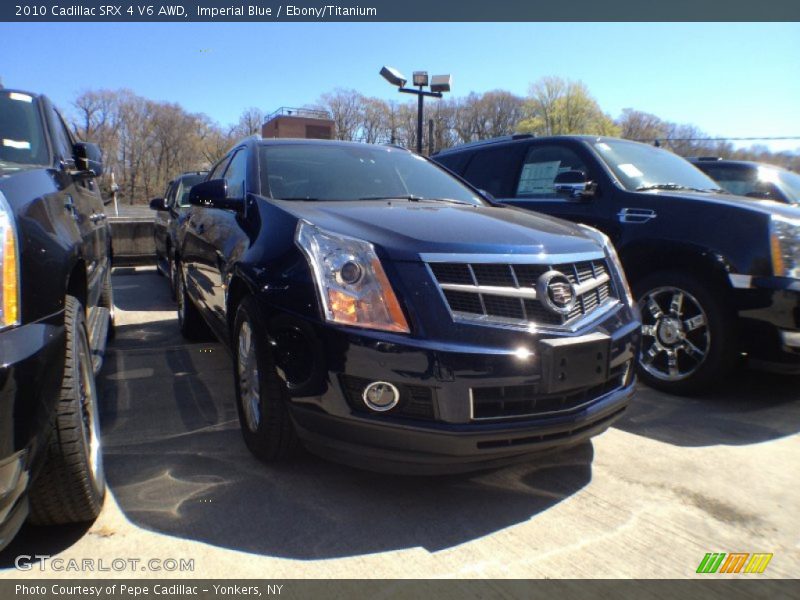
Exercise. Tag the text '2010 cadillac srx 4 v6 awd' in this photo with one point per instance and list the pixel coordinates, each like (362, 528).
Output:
(385, 314)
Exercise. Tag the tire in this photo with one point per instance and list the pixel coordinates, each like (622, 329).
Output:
(171, 275)
(71, 487)
(190, 320)
(692, 345)
(261, 396)
(107, 301)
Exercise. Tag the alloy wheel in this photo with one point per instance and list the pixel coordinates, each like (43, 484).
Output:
(675, 334)
(247, 365)
(89, 407)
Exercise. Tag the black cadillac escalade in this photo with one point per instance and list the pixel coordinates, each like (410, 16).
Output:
(716, 275)
(56, 309)
(385, 314)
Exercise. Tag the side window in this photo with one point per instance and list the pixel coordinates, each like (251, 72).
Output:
(235, 174)
(541, 167)
(494, 170)
(169, 197)
(219, 169)
(62, 139)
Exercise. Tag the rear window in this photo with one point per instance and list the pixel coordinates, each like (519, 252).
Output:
(22, 140)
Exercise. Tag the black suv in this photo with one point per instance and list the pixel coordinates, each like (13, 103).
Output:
(752, 179)
(715, 274)
(171, 209)
(56, 308)
(387, 315)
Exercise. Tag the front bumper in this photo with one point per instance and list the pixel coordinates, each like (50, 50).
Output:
(435, 428)
(769, 313)
(31, 369)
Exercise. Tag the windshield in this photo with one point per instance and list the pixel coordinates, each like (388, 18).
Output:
(643, 167)
(791, 184)
(185, 186)
(355, 172)
(22, 139)
(755, 181)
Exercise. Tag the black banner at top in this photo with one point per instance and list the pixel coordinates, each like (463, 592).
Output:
(394, 10)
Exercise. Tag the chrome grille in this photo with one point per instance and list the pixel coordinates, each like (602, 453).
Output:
(505, 293)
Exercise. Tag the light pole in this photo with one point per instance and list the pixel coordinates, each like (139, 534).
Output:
(438, 85)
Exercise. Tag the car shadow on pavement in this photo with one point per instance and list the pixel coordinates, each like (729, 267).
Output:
(176, 464)
(749, 408)
(32, 541)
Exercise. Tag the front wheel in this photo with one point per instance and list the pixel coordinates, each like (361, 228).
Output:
(71, 486)
(688, 333)
(261, 395)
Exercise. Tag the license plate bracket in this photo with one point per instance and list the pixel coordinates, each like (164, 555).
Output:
(570, 363)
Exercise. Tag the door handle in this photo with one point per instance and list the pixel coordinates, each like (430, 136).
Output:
(636, 215)
(94, 218)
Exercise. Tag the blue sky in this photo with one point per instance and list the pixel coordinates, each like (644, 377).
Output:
(729, 79)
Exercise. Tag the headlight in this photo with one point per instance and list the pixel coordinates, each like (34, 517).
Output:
(352, 284)
(613, 259)
(9, 262)
(785, 243)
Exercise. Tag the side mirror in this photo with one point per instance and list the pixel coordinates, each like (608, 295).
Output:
(158, 204)
(574, 185)
(214, 194)
(88, 157)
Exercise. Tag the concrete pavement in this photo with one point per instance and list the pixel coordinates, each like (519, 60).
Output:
(675, 479)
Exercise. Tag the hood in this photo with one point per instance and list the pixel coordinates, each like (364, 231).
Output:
(766, 207)
(405, 229)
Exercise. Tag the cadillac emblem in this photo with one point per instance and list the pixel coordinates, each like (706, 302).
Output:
(556, 292)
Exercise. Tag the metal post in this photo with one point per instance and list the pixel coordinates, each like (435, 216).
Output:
(430, 137)
(420, 99)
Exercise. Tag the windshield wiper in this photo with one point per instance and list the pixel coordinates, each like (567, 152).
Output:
(413, 198)
(669, 186)
(298, 198)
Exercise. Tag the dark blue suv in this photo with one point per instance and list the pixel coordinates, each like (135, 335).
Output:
(385, 314)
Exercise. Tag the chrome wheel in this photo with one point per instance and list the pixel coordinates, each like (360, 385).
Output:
(247, 368)
(675, 334)
(179, 296)
(87, 391)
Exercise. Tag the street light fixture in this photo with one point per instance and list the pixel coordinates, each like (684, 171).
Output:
(438, 84)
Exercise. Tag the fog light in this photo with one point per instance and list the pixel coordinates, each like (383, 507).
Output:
(381, 396)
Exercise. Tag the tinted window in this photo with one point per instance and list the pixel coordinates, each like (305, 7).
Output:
(183, 188)
(494, 170)
(540, 168)
(640, 167)
(354, 172)
(455, 161)
(219, 169)
(755, 181)
(22, 140)
(235, 175)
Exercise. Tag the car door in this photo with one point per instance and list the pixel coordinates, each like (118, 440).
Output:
(223, 236)
(194, 248)
(161, 223)
(82, 200)
(537, 183)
